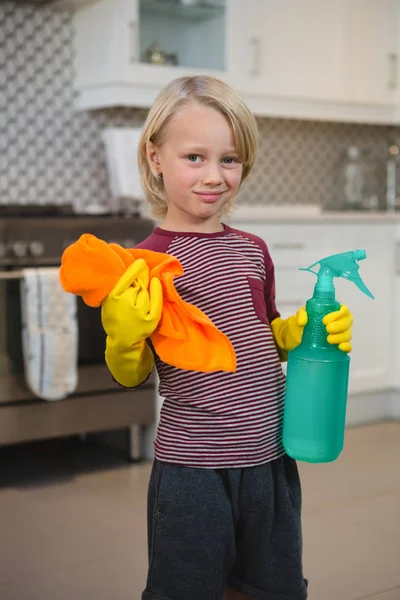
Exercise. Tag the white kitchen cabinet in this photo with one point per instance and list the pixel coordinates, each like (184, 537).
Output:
(300, 49)
(372, 51)
(113, 36)
(293, 246)
(394, 400)
(396, 321)
(318, 59)
(314, 59)
(371, 359)
(244, 45)
(332, 51)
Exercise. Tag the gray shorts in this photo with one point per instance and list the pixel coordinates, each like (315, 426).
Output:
(208, 528)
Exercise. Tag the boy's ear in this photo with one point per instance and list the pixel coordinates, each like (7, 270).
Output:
(153, 157)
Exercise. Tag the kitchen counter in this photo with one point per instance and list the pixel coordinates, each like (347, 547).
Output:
(310, 214)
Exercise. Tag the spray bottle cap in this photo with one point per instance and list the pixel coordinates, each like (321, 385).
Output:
(338, 265)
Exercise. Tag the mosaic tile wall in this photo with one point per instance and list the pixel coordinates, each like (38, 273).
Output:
(51, 154)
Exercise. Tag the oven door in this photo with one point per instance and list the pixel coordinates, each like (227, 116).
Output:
(98, 403)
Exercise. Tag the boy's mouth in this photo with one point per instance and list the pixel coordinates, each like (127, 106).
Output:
(209, 197)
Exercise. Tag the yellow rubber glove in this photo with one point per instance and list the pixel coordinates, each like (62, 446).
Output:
(289, 332)
(339, 325)
(129, 315)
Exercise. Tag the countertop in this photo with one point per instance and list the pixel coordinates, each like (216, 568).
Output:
(307, 213)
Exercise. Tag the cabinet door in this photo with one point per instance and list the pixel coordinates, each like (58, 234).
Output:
(371, 359)
(106, 41)
(371, 66)
(373, 330)
(244, 44)
(300, 47)
(396, 317)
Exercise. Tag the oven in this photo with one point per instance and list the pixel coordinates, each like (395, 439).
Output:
(98, 404)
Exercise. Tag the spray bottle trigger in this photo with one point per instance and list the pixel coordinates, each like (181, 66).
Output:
(361, 286)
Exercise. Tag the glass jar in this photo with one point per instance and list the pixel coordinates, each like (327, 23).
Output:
(393, 178)
(359, 181)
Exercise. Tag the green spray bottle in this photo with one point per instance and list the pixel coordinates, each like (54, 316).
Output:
(318, 372)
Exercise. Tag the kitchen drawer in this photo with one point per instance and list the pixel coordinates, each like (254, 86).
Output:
(291, 236)
(284, 257)
(295, 245)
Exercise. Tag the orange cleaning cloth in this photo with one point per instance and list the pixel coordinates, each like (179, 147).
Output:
(185, 337)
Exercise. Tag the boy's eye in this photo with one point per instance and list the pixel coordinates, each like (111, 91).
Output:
(229, 160)
(193, 157)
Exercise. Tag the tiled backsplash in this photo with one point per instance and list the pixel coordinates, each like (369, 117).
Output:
(51, 154)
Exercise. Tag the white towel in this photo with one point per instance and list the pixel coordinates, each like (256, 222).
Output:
(121, 148)
(49, 334)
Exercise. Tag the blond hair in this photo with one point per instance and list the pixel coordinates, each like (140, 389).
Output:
(206, 91)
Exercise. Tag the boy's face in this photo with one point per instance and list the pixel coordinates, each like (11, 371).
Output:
(199, 164)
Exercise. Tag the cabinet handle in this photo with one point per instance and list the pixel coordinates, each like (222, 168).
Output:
(133, 41)
(392, 82)
(255, 56)
(398, 258)
(288, 246)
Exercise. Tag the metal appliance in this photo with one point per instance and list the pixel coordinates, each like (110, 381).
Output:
(37, 237)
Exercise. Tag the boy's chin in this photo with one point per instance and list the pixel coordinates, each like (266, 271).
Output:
(212, 208)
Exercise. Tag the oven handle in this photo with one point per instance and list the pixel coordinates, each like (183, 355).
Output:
(11, 275)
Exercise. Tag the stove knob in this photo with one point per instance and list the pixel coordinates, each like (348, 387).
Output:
(19, 249)
(36, 248)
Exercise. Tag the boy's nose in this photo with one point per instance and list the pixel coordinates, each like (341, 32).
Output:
(213, 175)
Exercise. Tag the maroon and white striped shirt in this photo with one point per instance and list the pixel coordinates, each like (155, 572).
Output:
(214, 420)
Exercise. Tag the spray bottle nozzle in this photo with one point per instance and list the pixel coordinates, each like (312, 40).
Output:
(359, 254)
(339, 265)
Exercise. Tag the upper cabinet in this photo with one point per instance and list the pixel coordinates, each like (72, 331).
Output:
(371, 69)
(313, 59)
(126, 50)
(300, 48)
(326, 60)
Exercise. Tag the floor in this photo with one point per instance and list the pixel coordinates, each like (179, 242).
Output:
(72, 521)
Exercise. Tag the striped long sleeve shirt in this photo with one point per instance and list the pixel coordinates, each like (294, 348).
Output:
(219, 420)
